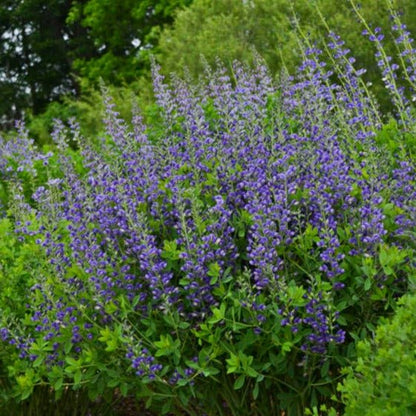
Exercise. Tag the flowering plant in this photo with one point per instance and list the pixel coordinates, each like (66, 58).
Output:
(227, 263)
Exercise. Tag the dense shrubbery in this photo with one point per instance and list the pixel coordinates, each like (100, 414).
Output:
(383, 380)
(224, 258)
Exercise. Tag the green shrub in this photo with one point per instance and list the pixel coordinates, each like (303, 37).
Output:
(383, 381)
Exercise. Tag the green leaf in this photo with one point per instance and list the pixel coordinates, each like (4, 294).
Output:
(239, 382)
(233, 363)
(124, 389)
(166, 346)
(182, 382)
(210, 371)
(165, 341)
(368, 267)
(68, 346)
(113, 383)
(111, 308)
(218, 314)
(256, 391)
(73, 362)
(166, 407)
(251, 372)
(325, 369)
(170, 250)
(149, 402)
(287, 346)
(38, 361)
(183, 397)
(58, 383)
(214, 271)
(93, 393)
(77, 377)
(184, 325)
(26, 393)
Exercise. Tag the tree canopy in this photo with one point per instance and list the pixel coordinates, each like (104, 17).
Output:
(35, 54)
(122, 33)
(54, 47)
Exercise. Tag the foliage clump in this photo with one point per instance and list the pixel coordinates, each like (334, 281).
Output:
(382, 382)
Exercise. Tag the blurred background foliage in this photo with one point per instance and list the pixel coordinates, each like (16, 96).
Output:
(229, 29)
(54, 54)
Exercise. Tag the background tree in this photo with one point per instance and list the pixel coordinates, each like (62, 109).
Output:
(122, 32)
(29, 30)
(53, 48)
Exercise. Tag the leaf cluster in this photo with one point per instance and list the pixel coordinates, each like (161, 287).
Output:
(382, 379)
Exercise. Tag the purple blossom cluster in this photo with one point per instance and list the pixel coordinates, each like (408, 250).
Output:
(279, 184)
(19, 154)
